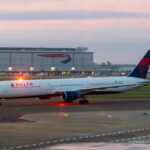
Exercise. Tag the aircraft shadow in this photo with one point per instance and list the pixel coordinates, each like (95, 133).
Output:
(16, 121)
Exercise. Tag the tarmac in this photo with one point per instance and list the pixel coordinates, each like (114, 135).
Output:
(31, 123)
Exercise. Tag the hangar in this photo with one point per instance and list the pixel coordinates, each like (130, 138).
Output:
(23, 59)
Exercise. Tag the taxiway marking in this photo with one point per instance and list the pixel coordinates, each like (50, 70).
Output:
(85, 137)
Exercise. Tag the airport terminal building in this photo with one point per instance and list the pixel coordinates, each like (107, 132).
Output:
(22, 59)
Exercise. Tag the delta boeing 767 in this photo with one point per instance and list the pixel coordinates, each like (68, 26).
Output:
(76, 88)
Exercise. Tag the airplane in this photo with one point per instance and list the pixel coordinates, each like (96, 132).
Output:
(76, 88)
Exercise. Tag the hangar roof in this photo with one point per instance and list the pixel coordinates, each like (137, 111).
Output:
(39, 49)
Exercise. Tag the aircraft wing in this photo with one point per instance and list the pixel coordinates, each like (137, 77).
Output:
(90, 89)
(85, 91)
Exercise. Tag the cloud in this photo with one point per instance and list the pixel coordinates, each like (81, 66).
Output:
(72, 25)
(55, 24)
(71, 15)
(141, 6)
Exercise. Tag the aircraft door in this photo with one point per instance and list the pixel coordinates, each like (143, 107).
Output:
(4, 90)
(52, 87)
(48, 87)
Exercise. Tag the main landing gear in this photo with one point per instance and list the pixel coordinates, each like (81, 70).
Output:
(83, 100)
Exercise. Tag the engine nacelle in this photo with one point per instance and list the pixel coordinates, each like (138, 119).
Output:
(70, 96)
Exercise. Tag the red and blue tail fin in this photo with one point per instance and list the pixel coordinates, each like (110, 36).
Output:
(142, 68)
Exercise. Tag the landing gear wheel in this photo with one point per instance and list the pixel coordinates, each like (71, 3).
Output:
(83, 101)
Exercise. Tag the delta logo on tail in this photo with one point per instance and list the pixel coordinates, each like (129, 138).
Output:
(142, 68)
(66, 61)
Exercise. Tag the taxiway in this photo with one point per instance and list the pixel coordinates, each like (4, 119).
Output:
(50, 122)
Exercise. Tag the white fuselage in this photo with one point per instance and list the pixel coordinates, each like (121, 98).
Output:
(33, 88)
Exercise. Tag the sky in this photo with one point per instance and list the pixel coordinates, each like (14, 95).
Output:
(116, 30)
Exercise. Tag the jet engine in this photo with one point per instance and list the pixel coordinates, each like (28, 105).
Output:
(70, 96)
